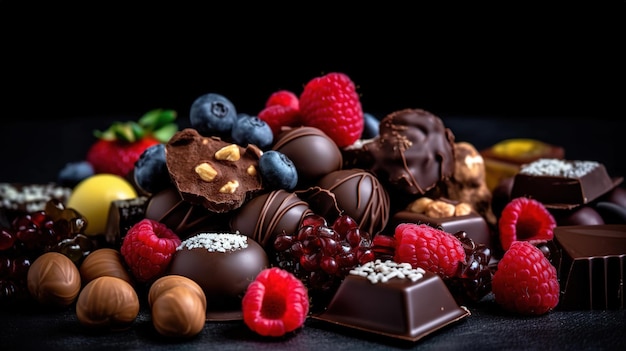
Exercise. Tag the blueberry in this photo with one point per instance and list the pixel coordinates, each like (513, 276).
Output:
(212, 114)
(370, 126)
(150, 172)
(74, 172)
(278, 171)
(252, 130)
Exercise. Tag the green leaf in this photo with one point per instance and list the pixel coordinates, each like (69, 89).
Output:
(157, 118)
(165, 133)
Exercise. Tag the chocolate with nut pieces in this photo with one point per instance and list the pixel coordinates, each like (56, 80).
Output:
(208, 171)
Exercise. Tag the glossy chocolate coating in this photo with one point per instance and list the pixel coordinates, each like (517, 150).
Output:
(184, 218)
(104, 262)
(413, 152)
(582, 215)
(107, 303)
(563, 192)
(361, 196)
(590, 264)
(54, 280)
(178, 306)
(223, 276)
(473, 224)
(399, 308)
(123, 214)
(312, 152)
(268, 215)
(187, 149)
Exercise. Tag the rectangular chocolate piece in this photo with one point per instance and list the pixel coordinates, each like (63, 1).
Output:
(591, 265)
(399, 307)
(562, 184)
(473, 224)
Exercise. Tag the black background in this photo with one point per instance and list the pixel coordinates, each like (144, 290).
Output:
(493, 71)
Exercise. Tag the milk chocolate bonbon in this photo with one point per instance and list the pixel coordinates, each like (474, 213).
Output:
(54, 280)
(107, 303)
(223, 264)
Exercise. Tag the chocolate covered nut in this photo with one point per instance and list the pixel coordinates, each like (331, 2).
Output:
(108, 303)
(104, 262)
(178, 306)
(53, 280)
(210, 172)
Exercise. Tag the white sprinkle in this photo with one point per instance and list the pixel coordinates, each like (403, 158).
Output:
(378, 271)
(215, 242)
(558, 168)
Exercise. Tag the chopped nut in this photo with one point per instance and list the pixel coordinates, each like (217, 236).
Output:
(206, 172)
(228, 153)
(440, 209)
(251, 170)
(462, 209)
(230, 187)
(419, 205)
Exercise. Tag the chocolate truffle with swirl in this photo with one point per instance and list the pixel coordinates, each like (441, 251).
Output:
(412, 154)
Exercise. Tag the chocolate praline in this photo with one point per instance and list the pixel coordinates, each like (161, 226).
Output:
(313, 153)
(268, 215)
(223, 264)
(413, 152)
(361, 196)
(54, 280)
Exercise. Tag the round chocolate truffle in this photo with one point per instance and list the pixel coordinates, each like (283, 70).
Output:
(184, 218)
(361, 196)
(223, 264)
(582, 215)
(268, 215)
(313, 153)
(413, 152)
(53, 280)
(107, 303)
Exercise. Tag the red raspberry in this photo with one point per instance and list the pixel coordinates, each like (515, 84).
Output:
(428, 248)
(278, 116)
(331, 103)
(275, 303)
(148, 248)
(525, 219)
(525, 281)
(283, 98)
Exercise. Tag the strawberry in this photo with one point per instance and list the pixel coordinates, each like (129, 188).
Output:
(331, 103)
(120, 146)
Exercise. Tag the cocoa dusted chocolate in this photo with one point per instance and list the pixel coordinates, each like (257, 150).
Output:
(562, 183)
(590, 261)
(223, 265)
(394, 300)
(208, 171)
(361, 196)
(413, 152)
(313, 153)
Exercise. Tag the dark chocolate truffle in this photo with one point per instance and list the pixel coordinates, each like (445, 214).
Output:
(223, 264)
(413, 152)
(268, 215)
(184, 218)
(361, 196)
(312, 152)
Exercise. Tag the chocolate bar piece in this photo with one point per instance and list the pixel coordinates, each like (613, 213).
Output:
(591, 264)
(396, 303)
(561, 183)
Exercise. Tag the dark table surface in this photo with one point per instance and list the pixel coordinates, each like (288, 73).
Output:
(34, 151)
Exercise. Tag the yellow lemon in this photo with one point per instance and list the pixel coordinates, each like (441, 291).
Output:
(93, 196)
